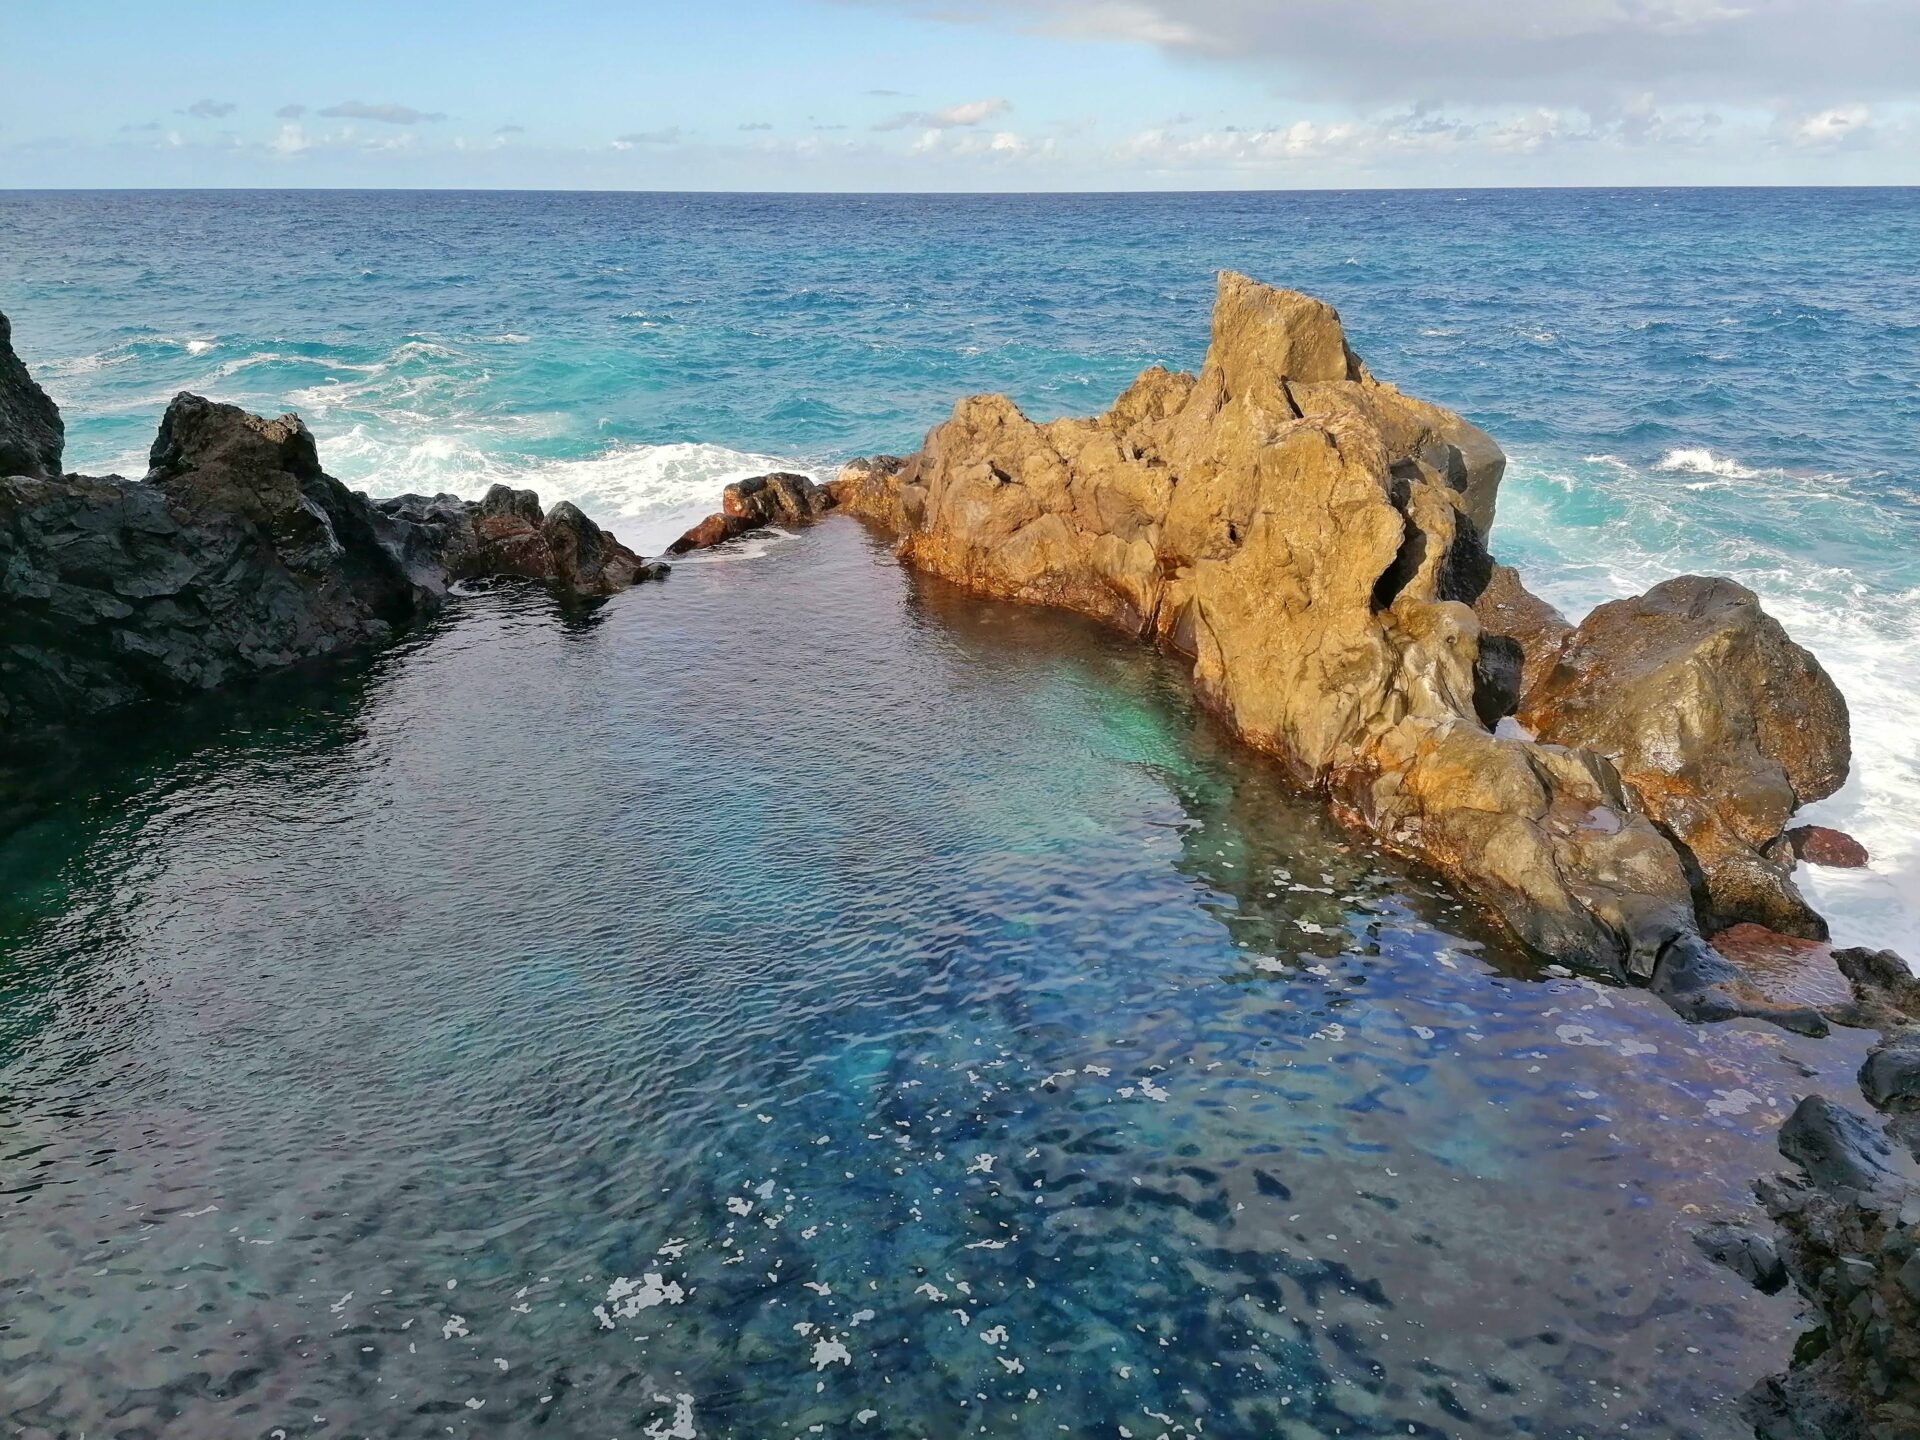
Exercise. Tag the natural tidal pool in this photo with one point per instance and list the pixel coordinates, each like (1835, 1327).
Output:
(798, 999)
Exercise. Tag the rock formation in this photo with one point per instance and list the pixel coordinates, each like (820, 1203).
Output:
(1720, 723)
(505, 533)
(1850, 1243)
(753, 504)
(1314, 541)
(236, 554)
(32, 434)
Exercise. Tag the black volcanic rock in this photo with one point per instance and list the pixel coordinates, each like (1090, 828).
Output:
(32, 434)
(1850, 1242)
(236, 554)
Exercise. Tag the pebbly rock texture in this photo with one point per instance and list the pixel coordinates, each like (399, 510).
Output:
(236, 554)
(1720, 723)
(1850, 1242)
(505, 533)
(32, 435)
(754, 503)
(1314, 541)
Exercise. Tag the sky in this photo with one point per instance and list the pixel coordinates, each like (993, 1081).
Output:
(958, 95)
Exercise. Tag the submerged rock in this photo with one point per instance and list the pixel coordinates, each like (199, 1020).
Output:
(754, 503)
(1720, 723)
(1315, 542)
(236, 554)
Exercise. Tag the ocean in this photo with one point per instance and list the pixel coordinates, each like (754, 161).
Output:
(1724, 381)
(800, 999)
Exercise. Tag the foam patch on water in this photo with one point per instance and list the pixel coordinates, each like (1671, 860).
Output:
(1829, 560)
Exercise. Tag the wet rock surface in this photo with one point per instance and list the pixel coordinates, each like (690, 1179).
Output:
(1819, 845)
(236, 554)
(754, 503)
(1850, 1242)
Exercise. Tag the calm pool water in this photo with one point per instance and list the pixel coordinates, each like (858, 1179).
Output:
(798, 1000)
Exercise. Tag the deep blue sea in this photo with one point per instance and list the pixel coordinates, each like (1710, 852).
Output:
(797, 999)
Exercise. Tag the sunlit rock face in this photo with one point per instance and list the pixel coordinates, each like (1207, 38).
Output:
(1315, 541)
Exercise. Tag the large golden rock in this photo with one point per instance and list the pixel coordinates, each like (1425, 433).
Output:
(1314, 540)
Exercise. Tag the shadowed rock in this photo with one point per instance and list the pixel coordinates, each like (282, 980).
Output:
(1315, 542)
(1721, 724)
(237, 554)
(1850, 1242)
(32, 434)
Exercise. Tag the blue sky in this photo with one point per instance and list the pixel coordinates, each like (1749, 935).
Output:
(960, 94)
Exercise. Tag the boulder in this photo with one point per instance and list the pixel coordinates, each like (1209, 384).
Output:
(1818, 845)
(506, 533)
(1746, 1252)
(32, 434)
(758, 501)
(1313, 541)
(1890, 1076)
(1722, 726)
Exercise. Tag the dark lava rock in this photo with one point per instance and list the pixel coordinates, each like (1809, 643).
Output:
(1720, 723)
(755, 502)
(506, 533)
(1885, 991)
(1838, 1149)
(1747, 1253)
(236, 554)
(1850, 1242)
(1818, 845)
(32, 434)
(1890, 1077)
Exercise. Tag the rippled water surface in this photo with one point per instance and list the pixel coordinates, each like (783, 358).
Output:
(796, 1000)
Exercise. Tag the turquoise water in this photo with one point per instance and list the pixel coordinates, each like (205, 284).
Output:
(797, 1000)
(797, 996)
(1717, 380)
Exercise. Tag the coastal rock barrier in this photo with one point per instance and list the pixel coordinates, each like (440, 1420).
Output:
(236, 554)
(1314, 542)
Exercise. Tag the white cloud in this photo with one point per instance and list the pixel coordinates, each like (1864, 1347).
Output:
(672, 135)
(386, 113)
(210, 109)
(292, 140)
(1832, 127)
(1545, 52)
(972, 112)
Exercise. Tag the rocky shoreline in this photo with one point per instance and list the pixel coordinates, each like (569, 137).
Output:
(1315, 544)
(236, 555)
(1619, 792)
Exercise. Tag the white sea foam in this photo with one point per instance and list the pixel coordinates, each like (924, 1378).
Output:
(1701, 461)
